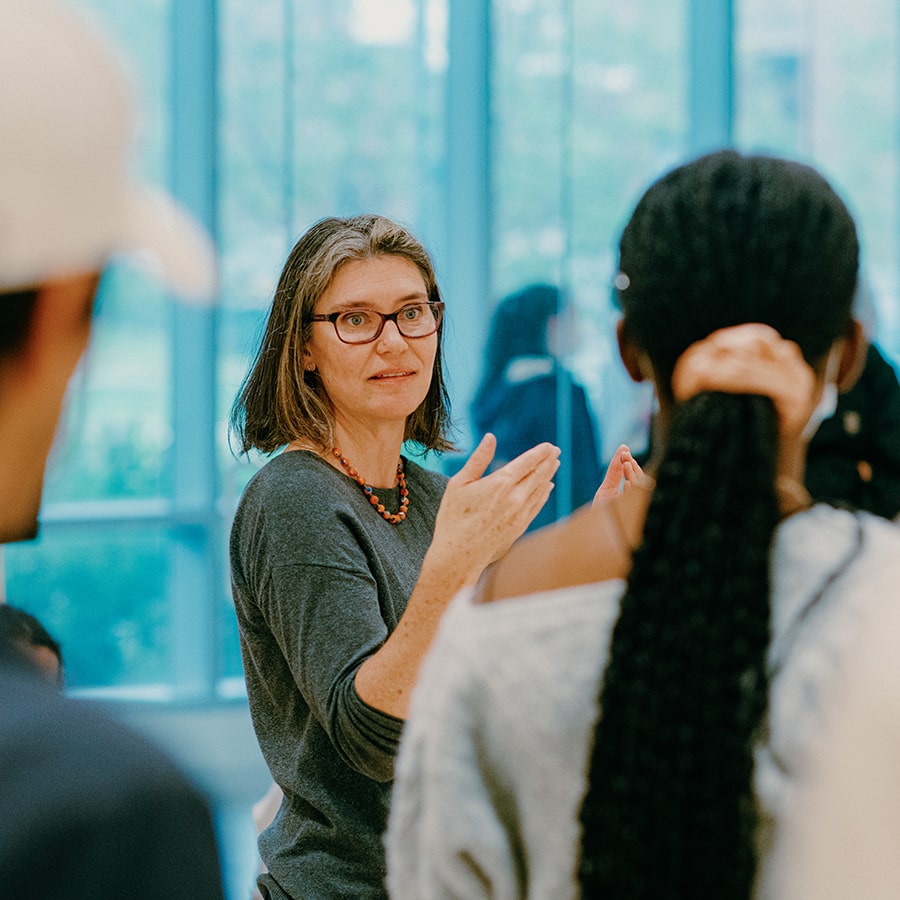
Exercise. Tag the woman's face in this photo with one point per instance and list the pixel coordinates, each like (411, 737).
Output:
(381, 382)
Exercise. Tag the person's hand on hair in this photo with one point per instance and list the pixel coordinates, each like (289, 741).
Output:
(755, 359)
(750, 359)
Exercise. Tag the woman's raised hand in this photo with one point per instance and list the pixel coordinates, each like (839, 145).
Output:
(481, 515)
(479, 518)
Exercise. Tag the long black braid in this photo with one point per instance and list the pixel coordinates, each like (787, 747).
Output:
(670, 811)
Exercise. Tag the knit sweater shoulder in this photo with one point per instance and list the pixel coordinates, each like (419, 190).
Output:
(319, 581)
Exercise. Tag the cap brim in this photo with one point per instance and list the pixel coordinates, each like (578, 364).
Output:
(163, 237)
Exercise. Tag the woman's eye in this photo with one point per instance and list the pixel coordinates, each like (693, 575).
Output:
(411, 313)
(356, 319)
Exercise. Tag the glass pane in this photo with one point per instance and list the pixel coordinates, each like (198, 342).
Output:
(326, 109)
(589, 104)
(117, 434)
(102, 593)
(106, 591)
(812, 83)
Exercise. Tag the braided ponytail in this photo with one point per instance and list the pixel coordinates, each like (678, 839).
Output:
(672, 815)
(670, 810)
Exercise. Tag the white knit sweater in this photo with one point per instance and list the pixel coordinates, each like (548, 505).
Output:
(492, 765)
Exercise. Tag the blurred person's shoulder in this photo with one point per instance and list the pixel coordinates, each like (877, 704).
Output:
(71, 769)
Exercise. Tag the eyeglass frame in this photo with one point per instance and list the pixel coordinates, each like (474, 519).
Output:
(436, 306)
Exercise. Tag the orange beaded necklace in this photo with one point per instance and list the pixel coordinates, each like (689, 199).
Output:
(393, 518)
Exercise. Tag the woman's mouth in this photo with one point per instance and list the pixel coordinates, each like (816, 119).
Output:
(385, 376)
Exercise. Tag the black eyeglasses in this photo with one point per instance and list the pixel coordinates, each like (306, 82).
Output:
(362, 326)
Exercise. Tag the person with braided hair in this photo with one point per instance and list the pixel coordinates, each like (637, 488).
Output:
(631, 702)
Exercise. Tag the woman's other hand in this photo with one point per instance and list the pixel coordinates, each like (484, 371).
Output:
(622, 474)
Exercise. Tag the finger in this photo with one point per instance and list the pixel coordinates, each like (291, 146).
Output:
(480, 458)
(609, 487)
(537, 502)
(632, 473)
(539, 460)
(526, 515)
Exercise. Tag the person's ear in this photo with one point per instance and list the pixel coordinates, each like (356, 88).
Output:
(61, 323)
(636, 362)
(852, 357)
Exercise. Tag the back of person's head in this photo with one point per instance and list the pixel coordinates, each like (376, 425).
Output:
(27, 636)
(280, 401)
(724, 240)
(519, 327)
(519, 324)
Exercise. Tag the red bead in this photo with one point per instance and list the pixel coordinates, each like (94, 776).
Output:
(393, 518)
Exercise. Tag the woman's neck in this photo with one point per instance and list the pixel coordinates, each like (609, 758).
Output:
(374, 454)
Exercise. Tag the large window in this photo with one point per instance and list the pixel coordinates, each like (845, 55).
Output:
(513, 136)
(589, 100)
(818, 80)
(326, 109)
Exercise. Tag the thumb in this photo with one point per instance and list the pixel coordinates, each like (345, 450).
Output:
(609, 487)
(477, 463)
(616, 469)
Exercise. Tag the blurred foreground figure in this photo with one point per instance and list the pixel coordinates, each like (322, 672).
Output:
(87, 809)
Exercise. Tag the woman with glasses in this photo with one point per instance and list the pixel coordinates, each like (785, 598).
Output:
(344, 552)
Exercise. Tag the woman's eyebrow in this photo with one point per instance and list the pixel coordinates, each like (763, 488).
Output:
(415, 297)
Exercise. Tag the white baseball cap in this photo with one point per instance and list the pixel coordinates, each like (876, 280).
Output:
(68, 200)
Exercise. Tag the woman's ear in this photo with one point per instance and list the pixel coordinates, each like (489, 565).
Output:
(852, 357)
(636, 362)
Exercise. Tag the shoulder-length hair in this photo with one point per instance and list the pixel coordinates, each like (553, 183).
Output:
(279, 401)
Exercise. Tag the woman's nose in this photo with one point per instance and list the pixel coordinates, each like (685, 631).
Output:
(390, 335)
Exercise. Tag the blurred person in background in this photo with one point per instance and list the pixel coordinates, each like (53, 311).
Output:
(854, 456)
(519, 396)
(26, 633)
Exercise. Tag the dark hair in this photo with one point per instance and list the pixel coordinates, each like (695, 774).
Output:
(518, 328)
(278, 401)
(18, 628)
(16, 310)
(670, 809)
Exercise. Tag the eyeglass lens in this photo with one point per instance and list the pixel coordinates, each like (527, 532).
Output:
(361, 325)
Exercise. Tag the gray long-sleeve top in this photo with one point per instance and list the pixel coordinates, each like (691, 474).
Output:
(319, 581)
